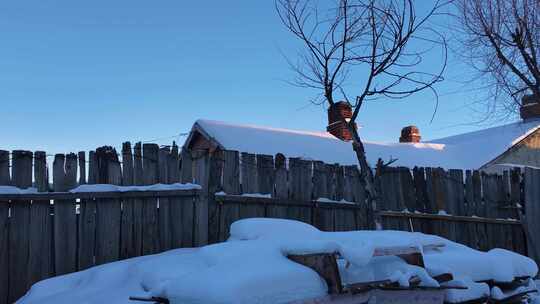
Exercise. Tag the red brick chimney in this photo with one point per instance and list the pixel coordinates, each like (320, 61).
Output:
(410, 134)
(530, 107)
(337, 113)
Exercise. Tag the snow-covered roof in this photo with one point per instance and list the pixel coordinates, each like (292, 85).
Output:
(449, 152)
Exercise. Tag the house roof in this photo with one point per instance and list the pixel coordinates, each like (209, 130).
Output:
(449, 152)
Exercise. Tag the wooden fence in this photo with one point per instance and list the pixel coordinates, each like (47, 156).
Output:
(41, 235)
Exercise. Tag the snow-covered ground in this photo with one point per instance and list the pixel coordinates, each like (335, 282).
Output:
(252, 267)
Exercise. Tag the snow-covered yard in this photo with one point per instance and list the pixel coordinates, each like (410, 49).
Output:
(252, 267)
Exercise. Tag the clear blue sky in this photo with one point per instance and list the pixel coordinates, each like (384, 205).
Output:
(75, 75)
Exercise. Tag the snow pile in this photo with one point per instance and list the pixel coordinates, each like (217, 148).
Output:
(115, 188)
(252, 267)
(15, 190)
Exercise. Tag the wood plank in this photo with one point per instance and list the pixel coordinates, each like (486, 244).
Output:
(265, 174)
(188, 209)
(201, 173)
(4, 252)
(518, 234)
(186, 174)
(40, 255)
(108, 211)
(481, 229)
(323, 218)
(532, 212)
(345, 219)
(231, 185)
(87, 221)
(138, 203)
(150, 240)
(5, 178)
(300, 188)
(215, 173)
(472, 240)
(281, 176)
(408, 194)
(450, 218)
(19, 231)
(176, 203)
(164, 210)
(249, 181)
(420, 187)
(127, 245)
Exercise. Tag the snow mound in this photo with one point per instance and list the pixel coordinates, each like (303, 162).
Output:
(252, 267)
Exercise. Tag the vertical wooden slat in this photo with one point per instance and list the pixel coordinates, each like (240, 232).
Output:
(532, 212)
(323, 217)
(300, 188)
(150, 241)
(138, 229)
(64, 219)
(87, 221)
(5, 178)
(470, 210)
(173, 169)
(164, 212)
(40, 264)
(4, 229)
(215, 173)
(230, 212)
(248, 169)
(421, 198)
(188, 208)
(281, 187)
(265, 174)
(108, 210)
(200, 176)
(127, 245)
(518, 232)
(19, 227)
(482, 232)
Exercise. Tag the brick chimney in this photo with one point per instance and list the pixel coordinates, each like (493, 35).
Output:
(530, 107)
(410, 134)
(337, 113)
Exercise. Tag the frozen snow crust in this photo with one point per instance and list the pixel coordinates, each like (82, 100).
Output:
(251, 267)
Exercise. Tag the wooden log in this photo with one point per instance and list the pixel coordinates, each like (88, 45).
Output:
(150, 241)
(5, 178)
(19, 231)
(40, 255)
(87, 220)
(248, 169)
(108, 211)
(127, 245)
(215, 173)
(176, 203)
(164, 212)
(201, 161)
(138, 204)
(231, 185)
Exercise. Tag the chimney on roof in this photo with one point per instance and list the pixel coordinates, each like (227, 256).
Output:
(530, 107)
(410, 134)
(338, 115)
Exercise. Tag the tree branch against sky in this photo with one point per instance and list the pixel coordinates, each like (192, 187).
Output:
(376, 45)
(502, 41)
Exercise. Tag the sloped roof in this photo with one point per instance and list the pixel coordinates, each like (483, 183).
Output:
(465, 151)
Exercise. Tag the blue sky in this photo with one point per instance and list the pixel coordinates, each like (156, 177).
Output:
(75, 75)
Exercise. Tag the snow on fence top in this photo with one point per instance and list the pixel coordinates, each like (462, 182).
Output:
(450, 152)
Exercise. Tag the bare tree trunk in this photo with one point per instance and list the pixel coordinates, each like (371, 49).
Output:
(367, 175)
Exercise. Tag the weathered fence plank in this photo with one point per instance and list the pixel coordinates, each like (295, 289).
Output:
(164, 210)
(40, 259)
(19, 231)
(138, 210)
(231, 185)
(188, 209)
(4, 252)
(87, 221)
(282, 187)
(176, 208)
(150, 241)
(249, 180)
(532, 212)
(108, 210)
(200, 176)
(127, 245)
(215, 173)
(300, 188)
(323, 217)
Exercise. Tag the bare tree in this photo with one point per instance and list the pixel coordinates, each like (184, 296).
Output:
(502, 42)
(371, 40)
